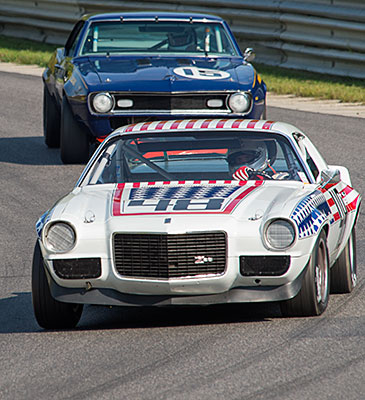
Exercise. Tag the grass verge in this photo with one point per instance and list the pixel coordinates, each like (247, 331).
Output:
(21, 51)
(310, 84)
(278, 80)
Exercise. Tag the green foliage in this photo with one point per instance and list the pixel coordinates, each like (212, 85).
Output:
(311, 84)
(21, 51)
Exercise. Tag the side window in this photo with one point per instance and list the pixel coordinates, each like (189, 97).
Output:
(73, 39)
(311, 164)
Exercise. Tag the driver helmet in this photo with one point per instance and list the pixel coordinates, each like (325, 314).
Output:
(252, 154)
(181, 40)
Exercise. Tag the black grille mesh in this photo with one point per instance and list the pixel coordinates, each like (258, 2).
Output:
(170, 256)
(170, 102)
(264, 265)
(78, 268)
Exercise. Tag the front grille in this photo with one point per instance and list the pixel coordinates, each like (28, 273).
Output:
(170, 102)
(78, 268)
(264, 265)
(170, 256)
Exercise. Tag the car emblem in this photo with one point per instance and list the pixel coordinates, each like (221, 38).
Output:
(202, 259)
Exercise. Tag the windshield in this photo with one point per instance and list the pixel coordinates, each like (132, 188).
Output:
(116, 37)
(195, 156)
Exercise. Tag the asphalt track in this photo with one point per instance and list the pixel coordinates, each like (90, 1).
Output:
(235, 352)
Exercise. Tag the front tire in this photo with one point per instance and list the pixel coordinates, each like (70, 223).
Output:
(51, 120)
(313, 296)
(344, 271)
(264, 112)
(50, 313)
(75, 144)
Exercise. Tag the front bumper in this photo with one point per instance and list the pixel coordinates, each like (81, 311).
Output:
(111, 297)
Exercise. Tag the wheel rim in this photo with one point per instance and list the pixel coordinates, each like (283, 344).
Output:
(352, 262)
(321, 275)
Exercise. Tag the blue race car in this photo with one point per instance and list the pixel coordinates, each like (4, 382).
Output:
(117, 69)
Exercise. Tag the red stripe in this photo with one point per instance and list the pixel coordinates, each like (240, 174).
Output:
(268, 124)
(160, 125)
(252, 123)
(347, 189)
(330, 202)
(182, 182)
(145, 126)
(206, 123)
(352, 206)
(130, 128)
(212, 182)
(175, 125)
(191, 124)
(166, 182)
(221, 123)
(197, 182)
(151, 183)
(233, 204)
(237, 123)
(136, 184)
(228, 181)
(336, 216)
(117, 198)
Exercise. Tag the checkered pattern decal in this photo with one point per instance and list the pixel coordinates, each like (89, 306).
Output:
(310, 214)
(183, 197)
(182, 192)
(331, 203)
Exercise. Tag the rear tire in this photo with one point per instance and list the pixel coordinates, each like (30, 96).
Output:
(50, 313)
(75, 144)
(313, 296)
(51, 120)
(344, 271)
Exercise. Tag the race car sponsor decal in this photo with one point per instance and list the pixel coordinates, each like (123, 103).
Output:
(310, 214)
(183, 197)
(201, 73)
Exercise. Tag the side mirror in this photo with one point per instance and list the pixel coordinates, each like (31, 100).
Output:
(330, 176)
(249, 54)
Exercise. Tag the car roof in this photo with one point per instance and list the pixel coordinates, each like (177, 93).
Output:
(211, 124)
(151, 15)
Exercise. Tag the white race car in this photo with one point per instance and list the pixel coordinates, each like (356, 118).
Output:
(198, 212)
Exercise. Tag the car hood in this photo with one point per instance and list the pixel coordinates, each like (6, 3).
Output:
(166, 74)
(178, 206)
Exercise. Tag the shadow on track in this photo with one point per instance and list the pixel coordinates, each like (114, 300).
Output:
(29, 150)
(16, 315)
(98, 317)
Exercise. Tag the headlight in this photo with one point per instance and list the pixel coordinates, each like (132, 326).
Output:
(60, 237)
(103, 102)
(239, 102)
(280, 234)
